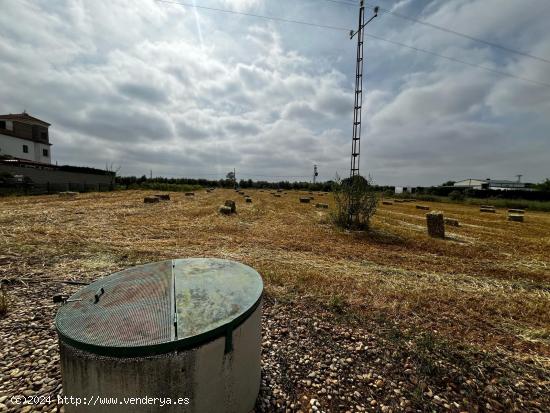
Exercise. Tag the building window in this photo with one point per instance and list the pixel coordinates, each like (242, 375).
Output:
(44, 136)
(44, 152)
(25, 149)
(2, 124)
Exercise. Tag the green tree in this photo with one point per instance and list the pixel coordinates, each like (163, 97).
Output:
(544, 186)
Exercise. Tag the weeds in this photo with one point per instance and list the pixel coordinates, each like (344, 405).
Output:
(4, 301)
(426, 354)
(337, 304)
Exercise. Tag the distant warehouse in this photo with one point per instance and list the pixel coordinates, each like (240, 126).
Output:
(494, 184)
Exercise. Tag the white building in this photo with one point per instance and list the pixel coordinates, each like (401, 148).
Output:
(25, 137)
(472, 183)
(496, 184)
(404, 189)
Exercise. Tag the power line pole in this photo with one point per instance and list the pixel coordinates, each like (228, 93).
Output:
(315, 174)
(356, 135)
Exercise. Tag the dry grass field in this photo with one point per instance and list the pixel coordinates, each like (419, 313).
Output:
(485, 289)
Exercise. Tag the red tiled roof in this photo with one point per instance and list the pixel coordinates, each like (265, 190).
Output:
(22, 117)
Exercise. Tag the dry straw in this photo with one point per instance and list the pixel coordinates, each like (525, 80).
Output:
(486, 284)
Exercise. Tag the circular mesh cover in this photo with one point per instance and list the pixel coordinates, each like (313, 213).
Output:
(160, 307)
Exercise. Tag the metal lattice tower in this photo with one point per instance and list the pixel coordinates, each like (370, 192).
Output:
(356, 136)
(315, 174)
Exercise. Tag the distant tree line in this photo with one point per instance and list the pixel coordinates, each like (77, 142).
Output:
(544, 186)
(541, 191)
(143, 181)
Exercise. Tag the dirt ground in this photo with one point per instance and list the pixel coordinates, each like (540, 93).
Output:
(385, 320)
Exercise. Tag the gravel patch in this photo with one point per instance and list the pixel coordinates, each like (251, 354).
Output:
(312, 361)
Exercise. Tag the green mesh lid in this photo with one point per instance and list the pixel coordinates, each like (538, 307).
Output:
(160, 307)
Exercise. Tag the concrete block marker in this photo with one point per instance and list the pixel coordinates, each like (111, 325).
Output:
(225, 210)
(452, 222)
(516, 217)
(150, 200)
(231, 204)
(436, 224)
(516, 211)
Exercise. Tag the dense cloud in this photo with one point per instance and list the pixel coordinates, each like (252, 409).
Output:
(151, 85)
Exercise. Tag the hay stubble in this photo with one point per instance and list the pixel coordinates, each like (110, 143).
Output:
(489, 284)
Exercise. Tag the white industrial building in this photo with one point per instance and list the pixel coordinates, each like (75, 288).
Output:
(25, 137)
(495, 184)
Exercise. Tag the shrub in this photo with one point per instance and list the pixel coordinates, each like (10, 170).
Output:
(355, 202)
(427, 198)
(456, 196)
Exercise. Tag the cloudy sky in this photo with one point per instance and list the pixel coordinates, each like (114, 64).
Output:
(149, 85)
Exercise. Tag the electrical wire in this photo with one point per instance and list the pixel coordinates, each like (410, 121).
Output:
(273, 176)
(454, 59)
(241, 174)
(279, 19)
(447, 30)
(418, 49)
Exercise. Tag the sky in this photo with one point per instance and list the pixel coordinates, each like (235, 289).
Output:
(145, 85)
